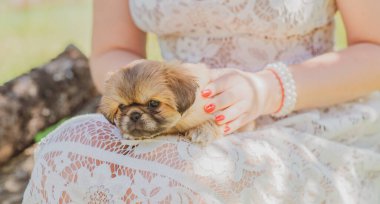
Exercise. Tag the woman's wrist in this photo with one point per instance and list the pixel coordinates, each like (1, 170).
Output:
(268, 90)
(288, 88)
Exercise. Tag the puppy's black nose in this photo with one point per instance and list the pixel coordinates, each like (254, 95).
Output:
(135, 116)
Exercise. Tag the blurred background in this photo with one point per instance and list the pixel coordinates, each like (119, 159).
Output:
(32, 32)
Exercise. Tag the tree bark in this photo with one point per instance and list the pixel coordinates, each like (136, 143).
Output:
(42, 97)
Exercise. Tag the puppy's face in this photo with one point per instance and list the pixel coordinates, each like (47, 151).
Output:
(147, 98)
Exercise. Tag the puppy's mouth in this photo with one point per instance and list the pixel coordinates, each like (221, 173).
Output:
(140, 125)
(138, 131)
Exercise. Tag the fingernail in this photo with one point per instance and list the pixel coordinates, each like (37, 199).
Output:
(226, 128)
(209, 108)
(219, 118)
(206, 93)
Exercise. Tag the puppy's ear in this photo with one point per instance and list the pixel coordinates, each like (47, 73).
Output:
(108, 108)
(183, 85)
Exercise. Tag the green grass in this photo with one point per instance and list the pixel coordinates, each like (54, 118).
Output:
(46, 131)
(32, 36)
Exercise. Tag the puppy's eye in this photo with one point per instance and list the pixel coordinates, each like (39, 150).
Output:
(153, 104)
(122, 106)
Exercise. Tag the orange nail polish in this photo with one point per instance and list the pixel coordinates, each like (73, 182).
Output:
(219, 118)
(209, 108)
(206, 93)
(226, 129)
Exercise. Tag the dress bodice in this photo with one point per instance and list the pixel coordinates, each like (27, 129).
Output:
(244, 34)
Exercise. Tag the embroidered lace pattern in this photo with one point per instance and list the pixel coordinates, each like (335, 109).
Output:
(244, 34)
(317, 156)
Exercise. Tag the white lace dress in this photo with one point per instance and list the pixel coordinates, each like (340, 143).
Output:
(329, 155)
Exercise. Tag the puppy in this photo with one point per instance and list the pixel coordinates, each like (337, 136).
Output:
(149, 98)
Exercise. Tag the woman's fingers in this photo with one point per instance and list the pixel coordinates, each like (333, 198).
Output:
(214, 88)
(229, 97)
(222, 101)
(231, 113)
(236, 124)
(220, 82)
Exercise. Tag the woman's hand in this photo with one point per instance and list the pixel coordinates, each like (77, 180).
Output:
(236, 98)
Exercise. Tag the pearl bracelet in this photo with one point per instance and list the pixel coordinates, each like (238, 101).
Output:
(288, 88)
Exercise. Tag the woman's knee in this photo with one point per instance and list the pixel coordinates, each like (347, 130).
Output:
(86, 129)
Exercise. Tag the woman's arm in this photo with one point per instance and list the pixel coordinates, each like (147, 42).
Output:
(337, 77)
(324, 80)
(116, 40)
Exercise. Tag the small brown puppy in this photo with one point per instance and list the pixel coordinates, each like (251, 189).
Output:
(150, 98)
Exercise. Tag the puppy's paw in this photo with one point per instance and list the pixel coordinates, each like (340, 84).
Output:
(204, 134)
(200, 137)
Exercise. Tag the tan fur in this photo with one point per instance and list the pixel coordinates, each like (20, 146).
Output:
(177, 86)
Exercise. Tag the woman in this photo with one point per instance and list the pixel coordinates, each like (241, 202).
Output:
(327, 149)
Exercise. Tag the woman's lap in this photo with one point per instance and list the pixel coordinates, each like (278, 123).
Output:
(86, 159)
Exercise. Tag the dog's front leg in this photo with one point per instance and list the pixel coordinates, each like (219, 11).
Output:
(204, 133)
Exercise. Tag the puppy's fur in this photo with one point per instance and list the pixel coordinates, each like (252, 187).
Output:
(149, 98)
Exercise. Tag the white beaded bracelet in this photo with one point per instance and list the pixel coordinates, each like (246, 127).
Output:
(288, 88)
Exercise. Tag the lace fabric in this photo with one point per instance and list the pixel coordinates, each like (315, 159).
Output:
(243, 34)
(329, 155)
(317, 156)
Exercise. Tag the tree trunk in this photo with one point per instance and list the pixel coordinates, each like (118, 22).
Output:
(40, 98)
